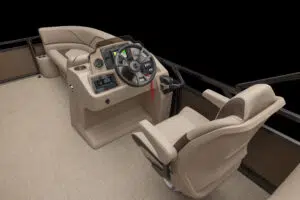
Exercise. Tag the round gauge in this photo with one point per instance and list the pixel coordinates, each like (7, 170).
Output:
(98, 63)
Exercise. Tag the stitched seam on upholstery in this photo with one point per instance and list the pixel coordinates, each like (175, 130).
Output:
(74, 60)
(76, 36)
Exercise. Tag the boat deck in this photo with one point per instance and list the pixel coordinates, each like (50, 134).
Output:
(43, 157)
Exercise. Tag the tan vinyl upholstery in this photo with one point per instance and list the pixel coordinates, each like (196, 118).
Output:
(245, 104)
(58, 59)
(215, 98)
(186, 121)
(207, 152)
(76, 57)
(73, 53)
(290, 188)
(163, 148)
(69, 46)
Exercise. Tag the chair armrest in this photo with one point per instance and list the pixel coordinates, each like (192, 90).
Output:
(215, 98)
(78, 60)
(57, 58)
(146, 147)
(164, 150)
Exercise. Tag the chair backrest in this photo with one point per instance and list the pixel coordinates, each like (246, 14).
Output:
(72, 37)
(217, 150)
(249, 102)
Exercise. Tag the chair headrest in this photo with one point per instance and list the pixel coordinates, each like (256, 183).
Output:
(249, 102)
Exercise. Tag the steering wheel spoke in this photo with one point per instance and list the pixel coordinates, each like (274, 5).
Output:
(146, 59)
(123, 64)
(142, 76)
(137, 78)
(140, 54)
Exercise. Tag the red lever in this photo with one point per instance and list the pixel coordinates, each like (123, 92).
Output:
(152, 90)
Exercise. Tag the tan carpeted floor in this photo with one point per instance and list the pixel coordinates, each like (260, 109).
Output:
(42, 156)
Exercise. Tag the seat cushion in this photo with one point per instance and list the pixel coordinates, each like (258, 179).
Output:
(73, 53)
(61, 60)
(193, 116)
(178, 125)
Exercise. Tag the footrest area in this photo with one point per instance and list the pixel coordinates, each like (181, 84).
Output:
(115, 126)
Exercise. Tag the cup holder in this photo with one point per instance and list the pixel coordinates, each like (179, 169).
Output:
(79, 68)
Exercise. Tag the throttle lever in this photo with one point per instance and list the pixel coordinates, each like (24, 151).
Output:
(168, 84)
(167, 80)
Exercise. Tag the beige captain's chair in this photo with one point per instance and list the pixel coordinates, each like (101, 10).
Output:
(195, 155)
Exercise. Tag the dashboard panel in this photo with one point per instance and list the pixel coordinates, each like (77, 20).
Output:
(102, 83)
(109, 54)
(102, 59)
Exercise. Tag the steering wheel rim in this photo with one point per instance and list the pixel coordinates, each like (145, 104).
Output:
(137, 67)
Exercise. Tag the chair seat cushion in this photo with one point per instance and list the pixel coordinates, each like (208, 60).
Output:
(178, 125)
(193, 116)
(73, 53)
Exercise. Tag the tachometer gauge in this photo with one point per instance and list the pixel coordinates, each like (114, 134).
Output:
(98, 63)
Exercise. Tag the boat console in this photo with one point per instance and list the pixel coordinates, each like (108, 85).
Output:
(113, 83)
(116, 89)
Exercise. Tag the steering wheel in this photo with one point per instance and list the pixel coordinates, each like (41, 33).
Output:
(135, 65)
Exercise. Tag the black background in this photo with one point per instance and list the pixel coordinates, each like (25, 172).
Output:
(231, 47)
